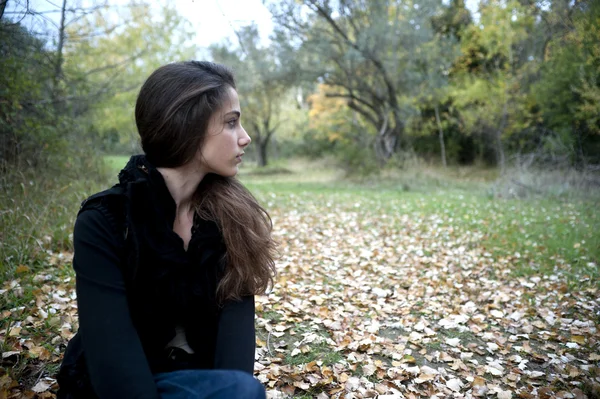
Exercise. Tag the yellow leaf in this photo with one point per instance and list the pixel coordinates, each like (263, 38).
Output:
(39, 352)
(312, 366)
(22, 269)
(14, 331)
(408, 359)
(580, 339)
(478, 382)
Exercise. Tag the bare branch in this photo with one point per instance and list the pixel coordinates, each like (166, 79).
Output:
(353, 97)
(117, 65)
(378, 64)
(103, 90)
(364, 112)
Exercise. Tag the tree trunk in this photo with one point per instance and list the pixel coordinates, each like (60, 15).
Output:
(263, 144)
(499, 149)
(262, 153)
(261, 138)
(380, 152)
(59, 56)
(388, 138)
(442, 145)
(3, 4)
(580, 163)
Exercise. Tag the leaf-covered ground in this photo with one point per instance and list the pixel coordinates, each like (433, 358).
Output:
(387, 295)
(374, 300)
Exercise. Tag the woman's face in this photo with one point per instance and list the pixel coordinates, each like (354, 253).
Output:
(225, 140)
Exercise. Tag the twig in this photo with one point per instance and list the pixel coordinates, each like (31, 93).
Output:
(268, 344)
(39, 375)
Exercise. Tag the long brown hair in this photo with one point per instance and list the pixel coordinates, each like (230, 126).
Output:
(172, 114)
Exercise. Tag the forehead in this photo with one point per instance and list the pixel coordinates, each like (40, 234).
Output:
(232, 101)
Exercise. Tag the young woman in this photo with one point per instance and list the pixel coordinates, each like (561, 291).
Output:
(168, 260)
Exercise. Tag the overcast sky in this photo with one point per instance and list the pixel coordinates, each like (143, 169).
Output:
(212, 20)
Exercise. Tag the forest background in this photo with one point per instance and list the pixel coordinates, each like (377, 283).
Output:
(413, 96)
(374, 84)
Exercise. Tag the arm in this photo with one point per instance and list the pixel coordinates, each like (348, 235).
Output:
(236, 336)
(114, 355)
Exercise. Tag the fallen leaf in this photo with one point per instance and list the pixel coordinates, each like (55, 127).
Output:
(494, 371)
(21, 269)
(454, 384)
(9, 354)
(580, 339)
(504, 394)
(424, 377)
(14, 332)
(41, 386)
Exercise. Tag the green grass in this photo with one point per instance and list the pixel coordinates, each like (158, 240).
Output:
(536, 235)
(37, 211)
(321, 351)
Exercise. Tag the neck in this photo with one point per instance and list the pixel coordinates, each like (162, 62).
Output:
(182, 183)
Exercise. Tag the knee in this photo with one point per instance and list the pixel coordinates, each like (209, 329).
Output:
(248, 386)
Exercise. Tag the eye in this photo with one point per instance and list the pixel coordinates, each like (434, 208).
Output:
(232, 123)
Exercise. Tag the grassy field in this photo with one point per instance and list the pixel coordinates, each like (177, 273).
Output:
(372, 272)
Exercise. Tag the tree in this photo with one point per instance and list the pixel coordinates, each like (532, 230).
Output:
(569, 87)
(435, 60)
(83, 85)
(486, 80)
(2, 7)
(132, 42)
(367, 51)
(262, 84)
(26, 128)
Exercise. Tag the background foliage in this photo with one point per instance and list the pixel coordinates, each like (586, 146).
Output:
(515, 80)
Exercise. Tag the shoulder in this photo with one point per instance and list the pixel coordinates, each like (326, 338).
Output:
(104, 199)
(103, 212)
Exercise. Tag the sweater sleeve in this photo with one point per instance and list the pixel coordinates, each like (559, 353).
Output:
(236, 336)
(114, 355)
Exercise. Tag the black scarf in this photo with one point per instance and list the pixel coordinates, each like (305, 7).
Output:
(168, 286)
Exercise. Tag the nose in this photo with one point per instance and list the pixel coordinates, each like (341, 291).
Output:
(244, 139)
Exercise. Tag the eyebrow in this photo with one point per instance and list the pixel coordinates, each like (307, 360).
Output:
(236, 113)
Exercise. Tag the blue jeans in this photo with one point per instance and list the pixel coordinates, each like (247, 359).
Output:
(208, 384)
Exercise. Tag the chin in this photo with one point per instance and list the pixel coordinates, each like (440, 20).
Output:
(229, 173)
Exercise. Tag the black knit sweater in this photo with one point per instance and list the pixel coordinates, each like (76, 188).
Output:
(136, 282)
